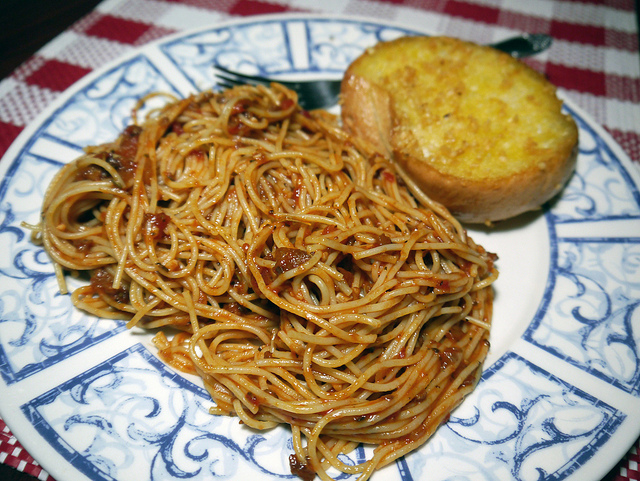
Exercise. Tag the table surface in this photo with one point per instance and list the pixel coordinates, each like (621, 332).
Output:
(588, 64)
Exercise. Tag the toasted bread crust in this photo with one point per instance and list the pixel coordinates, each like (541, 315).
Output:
(484, 201)
(477, 130)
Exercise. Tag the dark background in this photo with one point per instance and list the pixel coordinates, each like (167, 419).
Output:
(27, 25)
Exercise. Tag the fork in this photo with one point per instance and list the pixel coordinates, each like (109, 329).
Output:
(316, 94)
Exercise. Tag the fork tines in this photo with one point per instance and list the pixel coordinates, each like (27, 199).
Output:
(228, 79)
(312, 94)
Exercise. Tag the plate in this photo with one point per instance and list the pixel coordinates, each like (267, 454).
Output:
(90, 400)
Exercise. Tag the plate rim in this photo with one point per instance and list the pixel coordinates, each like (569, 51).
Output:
(29, 133)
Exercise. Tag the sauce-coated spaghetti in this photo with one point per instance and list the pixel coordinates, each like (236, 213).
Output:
(314, 285)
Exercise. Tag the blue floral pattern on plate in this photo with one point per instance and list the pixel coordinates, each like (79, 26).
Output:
(154, 420)
(38, 326)
(601, 188)
(559, 399)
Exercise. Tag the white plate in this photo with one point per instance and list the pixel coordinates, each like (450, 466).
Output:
(88, 399)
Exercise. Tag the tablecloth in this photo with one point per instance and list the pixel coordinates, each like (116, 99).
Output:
(594, 60)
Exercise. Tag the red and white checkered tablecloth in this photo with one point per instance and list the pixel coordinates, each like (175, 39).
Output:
(594, 59)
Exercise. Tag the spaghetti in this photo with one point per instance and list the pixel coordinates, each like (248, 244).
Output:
(311, 282)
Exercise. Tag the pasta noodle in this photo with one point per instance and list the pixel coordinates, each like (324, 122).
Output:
(310, 282)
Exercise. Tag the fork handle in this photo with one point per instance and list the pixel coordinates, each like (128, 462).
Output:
(525, 45)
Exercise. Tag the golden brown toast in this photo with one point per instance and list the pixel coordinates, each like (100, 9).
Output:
(476, 129)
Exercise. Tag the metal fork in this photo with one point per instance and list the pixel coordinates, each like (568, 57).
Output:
(316, 94)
